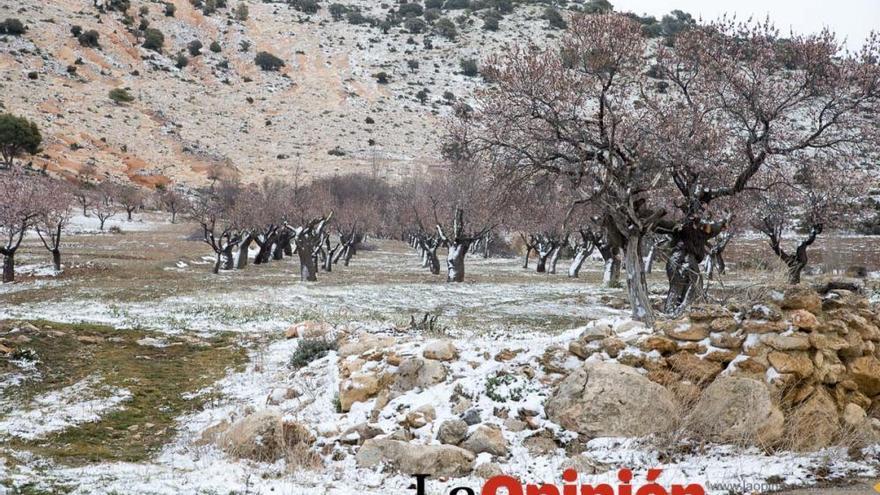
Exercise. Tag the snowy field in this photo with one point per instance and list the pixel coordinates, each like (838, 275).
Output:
(501, 307)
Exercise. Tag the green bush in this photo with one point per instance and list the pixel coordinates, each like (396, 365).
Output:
(456, 4)
(195, 48)
(181, 61)
(469, 67)
(12, 27)
(382, 77)
(242, 12)
(338, 11)
(76, 30)
(598, 7)
(410, 10)
(215, 47)
(268, 62)
(446, 28)
(415, 25)
(121, 95)
(18, 136)
(153, 40)
(170, 9)
(433, 4)
(309, 350)
(307, 6)
(554, 17)
(89, 38)
(490, 23)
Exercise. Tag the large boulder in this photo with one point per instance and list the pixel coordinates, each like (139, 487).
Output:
(611, 400)
(416, 372)
(452, 431)
(814, 424)
(441, 350)
(486, 439)
(865, 372)
(359, 387)
(801, 297)
(408, 458)
(266, 437)
(737, 410)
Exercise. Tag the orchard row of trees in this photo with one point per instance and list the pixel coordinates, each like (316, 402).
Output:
(728, 123)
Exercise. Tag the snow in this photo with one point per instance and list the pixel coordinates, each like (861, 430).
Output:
(84, 401)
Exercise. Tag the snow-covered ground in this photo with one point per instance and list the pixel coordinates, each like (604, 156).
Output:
(184, 467)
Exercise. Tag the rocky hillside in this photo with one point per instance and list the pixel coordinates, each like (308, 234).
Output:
(326, 110)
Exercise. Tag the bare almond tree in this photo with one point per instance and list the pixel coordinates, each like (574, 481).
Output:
(56, 205)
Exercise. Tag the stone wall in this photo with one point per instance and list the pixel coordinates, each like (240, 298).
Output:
(816, 353)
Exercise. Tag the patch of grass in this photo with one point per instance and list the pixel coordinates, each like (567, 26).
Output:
(309, 350)
(159, 379)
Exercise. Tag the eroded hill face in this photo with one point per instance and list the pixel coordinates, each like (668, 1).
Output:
(323, 113)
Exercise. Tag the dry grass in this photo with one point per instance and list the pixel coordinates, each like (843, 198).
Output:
(265, 436)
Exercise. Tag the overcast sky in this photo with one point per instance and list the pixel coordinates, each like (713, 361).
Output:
(850, 19)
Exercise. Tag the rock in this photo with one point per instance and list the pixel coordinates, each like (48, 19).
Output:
(5, 350)
(581, 349)
(584, 464)
(540, 443)
(607, 400)
(751, 365)
(769, 312)
(506, 355)
(471, 417)
(264, 436)
(365, 342)
(726, 340)
(762, 326)
(703, 312)
(865, 372)
(556, 360)
(692, 368)
(794, 342)
(514, 425)
(814, 424)
(737, 410)
(684, 330)
(803, 319)
(663, 345)
(726, 324)
(488, 470)
(486, 439)
(828, 341)
(596, 332)
(613, 346)
(461, 406)
(420, 416)
(307, 330)
(630, 325)
(281, 394)
(362, 432)
(853, 415)
(801, 297)
(410, 459)
(452, 431)
(441, 350)
(721, 356)
(358, 388)
(27, 327)
(851, 284)
(796, 363)
(418, 373)
(89, 339)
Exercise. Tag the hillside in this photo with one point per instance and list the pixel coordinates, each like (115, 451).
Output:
(323, 112)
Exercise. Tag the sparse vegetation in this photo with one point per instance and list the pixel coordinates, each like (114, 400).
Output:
(469, 67)
(268, 62)
(89, 38)
(310, 350)
(13, 27)
(153, 40)
(120, 95)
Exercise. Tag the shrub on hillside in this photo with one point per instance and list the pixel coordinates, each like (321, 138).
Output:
(89, 38)
(554, 17)
(307, 6)
(415, 25)
(309, 350)
(446, 28)
(194, 48)
(76, 30)
(456, 4)
(410, 10)
(181, 61)
(268, 62)
(153, 40)
(120, 95)
(469, 67)
(215, 47)
(12, 27)
(170, 9)
(338, 11)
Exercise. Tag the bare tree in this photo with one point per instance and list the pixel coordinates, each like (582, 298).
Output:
(172, 201)
(130, 197)
(19, 209)
(56, 204)
(215, 211)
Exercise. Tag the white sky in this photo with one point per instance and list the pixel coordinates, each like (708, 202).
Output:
(850, 19)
